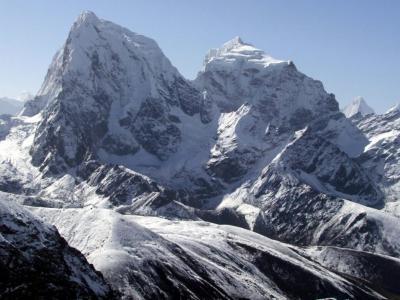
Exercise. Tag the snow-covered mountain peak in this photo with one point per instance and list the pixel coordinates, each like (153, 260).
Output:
(87, 16)
(236, 40)
(89, 32)
(86, 19)
(102, 47)
(85, 28)
(238, 72)
(236, 50)
(124, 84)
(232, 44)
(358, 105)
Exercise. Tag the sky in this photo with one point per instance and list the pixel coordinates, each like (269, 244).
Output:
(352, 46)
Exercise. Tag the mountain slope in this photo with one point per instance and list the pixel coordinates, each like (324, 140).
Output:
(195, 260)
(263, 101)
(36, 262)
(381, 156)
(324, 167)
(360, 264)
(112, 91)
(287, 205)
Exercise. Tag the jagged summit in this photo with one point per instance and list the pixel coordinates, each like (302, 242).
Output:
(88, 23)
(96, 45)
(237, 50)
(89, 32)
(87, 16)
(236, 42)
(358, 105)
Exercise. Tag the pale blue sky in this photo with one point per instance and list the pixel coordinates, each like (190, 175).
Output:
(352, 46)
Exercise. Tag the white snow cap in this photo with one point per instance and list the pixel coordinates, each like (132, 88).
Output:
(87, 16)
(358, 105)
(235, 49)
(236, 42)
(394, 108)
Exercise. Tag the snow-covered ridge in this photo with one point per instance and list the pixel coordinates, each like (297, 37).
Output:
(202, 259)
(236, 49)
(395, 108)
(36, 261)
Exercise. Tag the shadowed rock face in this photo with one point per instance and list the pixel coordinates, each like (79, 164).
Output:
(366, 266)
(323, 166)
(125, 189)
(147, 130)
(36, 262)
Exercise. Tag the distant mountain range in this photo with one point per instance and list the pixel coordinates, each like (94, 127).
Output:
(13, 106)
(10, 106)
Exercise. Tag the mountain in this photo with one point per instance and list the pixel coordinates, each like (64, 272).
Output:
(358, 105)
(269, 97)
(115, 93)
(10, 106)
(151, 175)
